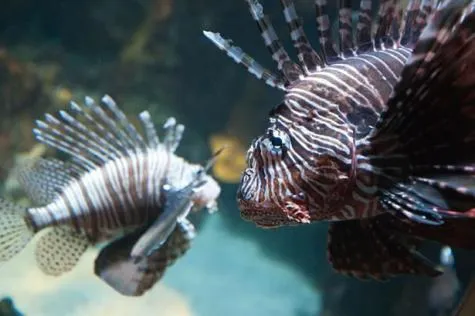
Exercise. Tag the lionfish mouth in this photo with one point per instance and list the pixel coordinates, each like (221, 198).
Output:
(262, 214)
(269, 215)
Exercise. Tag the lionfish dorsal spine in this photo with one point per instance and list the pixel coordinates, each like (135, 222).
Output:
(309, 59)
(173, 134)
(244, 59)
(96, 130)
(345, 22)
(100, 114)
(120, 117)
(363, 26)
(290, 71)
(150, 132)
(95, 134)
(328, 45)
(390, 29)
(387, 16)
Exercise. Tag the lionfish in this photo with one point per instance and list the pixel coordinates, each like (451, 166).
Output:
(375, 134)
(119, 186)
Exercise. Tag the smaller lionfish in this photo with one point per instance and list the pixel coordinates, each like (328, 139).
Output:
(118, 186)
(375, 134)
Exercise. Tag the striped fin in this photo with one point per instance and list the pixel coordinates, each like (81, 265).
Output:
(347, 47)
(427, 8)
(173, 134)
(368, 248)
(290, 71)
(431, 118)
(386, 16)
(437, 32)
(309, 59)
(115, 267)
(44, 179)
(363, 27)
(120, 117)
(412, 11)
(324, 32)
(59, 250)
(94, 134)
(147, 124)
(247, 61)
(397, 24)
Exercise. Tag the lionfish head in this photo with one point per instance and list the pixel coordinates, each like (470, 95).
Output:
(295, 174)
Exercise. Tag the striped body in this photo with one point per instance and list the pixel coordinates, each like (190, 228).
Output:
(122, 194)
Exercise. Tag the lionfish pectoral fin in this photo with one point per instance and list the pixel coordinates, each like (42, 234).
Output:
(177, 206)
(133, 278)
(457, 229)
(367, 249)
(155, 236)
(427, 135)
(59, 250)
(44, 179)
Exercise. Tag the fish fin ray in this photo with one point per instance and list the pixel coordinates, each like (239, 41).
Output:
(59, 250)
(387, 15)
(309, 59)
(364, 26)
(367, 249)
(429, 124)
(289, 70)
(345, 29)
(324, 26)
(95, 134)
(242, 58)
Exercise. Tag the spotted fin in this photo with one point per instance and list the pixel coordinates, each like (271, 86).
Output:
(131, 278)
(44, 179)
(369, 249)
(14, 230)
(94, 134)
(59, 250)
(426, 137)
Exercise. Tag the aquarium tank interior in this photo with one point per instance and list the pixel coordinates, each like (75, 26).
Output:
(151, 55)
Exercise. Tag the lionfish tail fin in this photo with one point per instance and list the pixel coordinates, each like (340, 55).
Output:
(423, 144)
(14, 231)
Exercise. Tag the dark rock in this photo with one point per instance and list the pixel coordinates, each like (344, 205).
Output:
(7, 308)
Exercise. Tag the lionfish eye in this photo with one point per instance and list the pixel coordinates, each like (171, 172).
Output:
(276, 141)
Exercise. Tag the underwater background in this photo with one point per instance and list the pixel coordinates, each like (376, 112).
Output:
(151, 55)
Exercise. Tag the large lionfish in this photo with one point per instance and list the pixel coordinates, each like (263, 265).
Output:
(376, 134)
(118, 186)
